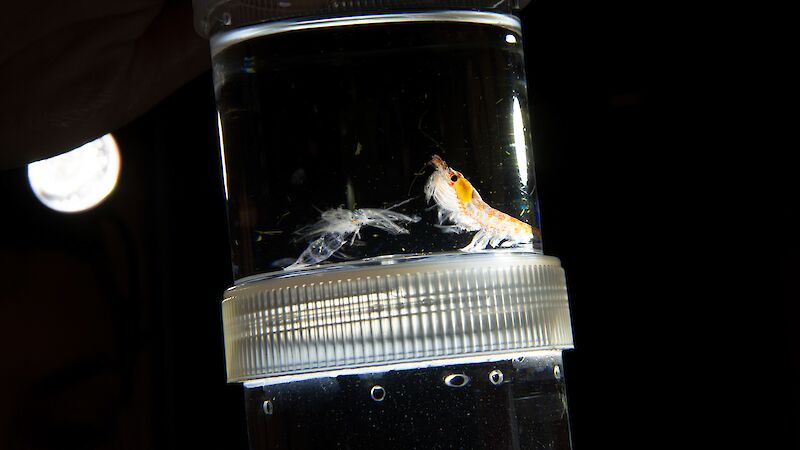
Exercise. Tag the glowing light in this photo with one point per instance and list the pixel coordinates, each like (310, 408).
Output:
(79, 179)
(511, 39)
(222, 156)
(519, 143)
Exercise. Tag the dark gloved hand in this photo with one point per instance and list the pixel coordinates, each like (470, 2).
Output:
(73, 71)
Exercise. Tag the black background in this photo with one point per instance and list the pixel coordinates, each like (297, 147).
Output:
(110, 329)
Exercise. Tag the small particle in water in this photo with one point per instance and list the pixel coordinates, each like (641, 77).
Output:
(358, 148)
(269, 232)
(249, 65)
(511, 39)
(557, 371)
(267, 407)
(456, 380)
(378, 393)
(496, 377)
(261, 234)
(350, 194)
(298, 177)
(282, 262)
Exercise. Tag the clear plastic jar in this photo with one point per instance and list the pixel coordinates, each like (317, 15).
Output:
(390, 286)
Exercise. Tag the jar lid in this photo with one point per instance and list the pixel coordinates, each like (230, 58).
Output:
(416, 311)
(213, 16)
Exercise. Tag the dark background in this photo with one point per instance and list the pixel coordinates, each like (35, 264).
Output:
(110, 328)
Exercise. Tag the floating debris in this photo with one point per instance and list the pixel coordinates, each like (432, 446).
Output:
(338, 227)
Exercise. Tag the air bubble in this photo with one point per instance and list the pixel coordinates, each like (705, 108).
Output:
(226, 18)
(456, 380)
(378, 393)
(557, 371)
(267, 407)
(496, 377)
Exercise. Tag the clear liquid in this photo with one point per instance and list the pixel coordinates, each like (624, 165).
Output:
(347, 115)
(515, 403)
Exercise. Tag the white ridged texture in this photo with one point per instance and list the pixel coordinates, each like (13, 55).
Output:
(412, 311)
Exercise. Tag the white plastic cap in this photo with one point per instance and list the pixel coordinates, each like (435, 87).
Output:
(429, 309)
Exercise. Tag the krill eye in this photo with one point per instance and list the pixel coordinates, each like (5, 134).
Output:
(454, 178)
